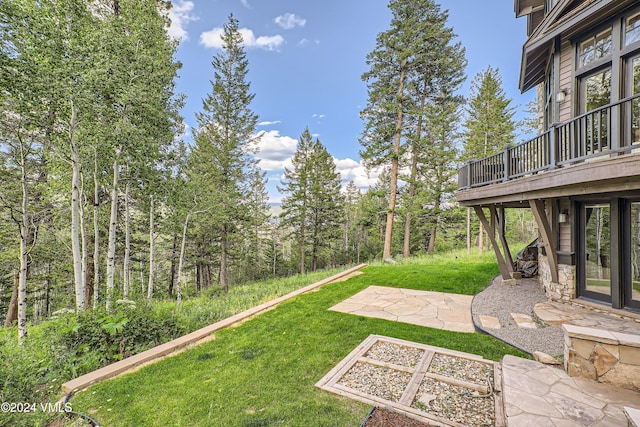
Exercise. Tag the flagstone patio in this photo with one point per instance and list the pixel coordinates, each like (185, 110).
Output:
(424, 308)
(525, 392)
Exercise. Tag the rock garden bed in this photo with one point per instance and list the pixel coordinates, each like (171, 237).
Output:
(432, 385)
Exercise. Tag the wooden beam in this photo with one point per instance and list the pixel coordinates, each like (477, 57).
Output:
(501, 227)
(606, 176)
(505, 269)
(537, 207)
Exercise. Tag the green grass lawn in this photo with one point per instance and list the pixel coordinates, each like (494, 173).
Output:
(262, 373)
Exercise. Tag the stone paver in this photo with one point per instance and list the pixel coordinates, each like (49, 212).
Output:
(557, 314)
(431, 309)
(524, 321)
(539, 395)
(489, 322)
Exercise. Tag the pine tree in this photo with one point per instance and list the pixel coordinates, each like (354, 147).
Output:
(221, 161)
(297, 184)
(314, 206)
(352, 239)
(437, 162)
(489, 124)
(412, 50)
(254, 245)
(326, 206)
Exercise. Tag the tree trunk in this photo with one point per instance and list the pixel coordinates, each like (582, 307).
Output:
(174, 254)
(126, 263)
(302, 248)
(12, 311)
(111, 252)
(224, 273)
(96, 233)
(152, 250)
(469, 231)
(89, 275)
(75, 211)
(83, 247)
(181, 260)
(275, 254)
(24, 251)
(393, 185)
(481, 239)
(414, 173)
(432, 236)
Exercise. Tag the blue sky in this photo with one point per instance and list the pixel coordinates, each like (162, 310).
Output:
(306, 58)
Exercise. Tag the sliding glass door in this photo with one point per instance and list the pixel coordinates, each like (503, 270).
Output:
(632, 291)
(596, 240)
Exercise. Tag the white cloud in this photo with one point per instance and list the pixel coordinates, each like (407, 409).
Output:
(269, 123)
(213, 38)
(180, 15)
(319, 116)
(351, 170)
(275, 150)
(289, 21)
(306, 42)
(245, 3)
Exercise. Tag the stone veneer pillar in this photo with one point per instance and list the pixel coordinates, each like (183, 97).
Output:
(565, 290)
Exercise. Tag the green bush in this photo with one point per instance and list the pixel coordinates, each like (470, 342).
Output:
(110, 337)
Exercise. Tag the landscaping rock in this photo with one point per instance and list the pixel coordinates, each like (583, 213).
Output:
(545, 358)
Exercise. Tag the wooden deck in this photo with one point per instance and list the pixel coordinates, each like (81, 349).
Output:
(596, 152)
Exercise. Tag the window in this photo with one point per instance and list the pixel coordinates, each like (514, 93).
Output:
(595, 48)
(597, 90)
(596, 93)
(597, 266)
(632, 30)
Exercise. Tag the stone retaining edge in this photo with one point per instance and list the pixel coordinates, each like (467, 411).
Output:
(170, 347)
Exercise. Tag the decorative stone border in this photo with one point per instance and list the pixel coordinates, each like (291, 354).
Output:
(415, 374)
(604, 356)
(193, 338)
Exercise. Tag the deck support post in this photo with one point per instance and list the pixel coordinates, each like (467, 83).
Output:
(504, 263)
(537, 208)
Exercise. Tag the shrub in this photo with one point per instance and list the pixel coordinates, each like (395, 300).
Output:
(110, 337)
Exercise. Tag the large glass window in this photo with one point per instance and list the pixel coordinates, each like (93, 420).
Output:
(596, 47)
(596, 89)
(597, 240)
(632, 29)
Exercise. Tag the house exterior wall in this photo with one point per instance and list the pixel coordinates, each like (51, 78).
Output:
(566, 79)
(565, 228)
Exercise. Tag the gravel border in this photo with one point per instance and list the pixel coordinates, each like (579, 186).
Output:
(500, 301)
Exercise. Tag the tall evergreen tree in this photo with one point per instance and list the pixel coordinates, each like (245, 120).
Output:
(313, 207)
(326, 207)
(255, 241)
(297, 185)
(412, 49)
(224, 142)
(437, 163)
(489, 124)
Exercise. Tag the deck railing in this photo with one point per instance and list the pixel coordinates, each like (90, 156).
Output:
(610, 131)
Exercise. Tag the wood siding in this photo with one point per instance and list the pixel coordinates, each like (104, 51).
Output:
(566, 79)
(565, 229)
